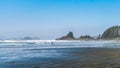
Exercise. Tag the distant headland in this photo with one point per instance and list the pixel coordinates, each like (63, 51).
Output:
(112, 33)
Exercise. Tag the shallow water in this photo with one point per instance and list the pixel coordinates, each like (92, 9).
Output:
(60, 55)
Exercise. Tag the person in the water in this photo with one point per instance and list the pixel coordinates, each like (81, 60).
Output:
(51, 43)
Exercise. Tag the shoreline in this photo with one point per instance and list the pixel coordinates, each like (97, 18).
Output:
(59, 40)
(67, 58)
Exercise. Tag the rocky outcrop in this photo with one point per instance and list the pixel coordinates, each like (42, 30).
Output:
(111, 33)
(69, 36)
(30, 38)
(27, 38)
(86, 37)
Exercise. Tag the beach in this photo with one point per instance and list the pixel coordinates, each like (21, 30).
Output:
(62, 58)
(59, 54)
(59, 33)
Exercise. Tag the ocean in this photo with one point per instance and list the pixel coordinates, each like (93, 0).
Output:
(59, 54)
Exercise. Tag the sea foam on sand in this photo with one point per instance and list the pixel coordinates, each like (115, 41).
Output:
(44, 44)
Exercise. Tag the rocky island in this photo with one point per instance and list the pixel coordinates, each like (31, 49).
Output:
(112, 33)
(69, 36)
(86, 37)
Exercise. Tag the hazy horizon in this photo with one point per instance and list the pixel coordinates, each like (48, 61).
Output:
(50, 19)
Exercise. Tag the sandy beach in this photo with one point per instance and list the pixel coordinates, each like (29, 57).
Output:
(65, 58)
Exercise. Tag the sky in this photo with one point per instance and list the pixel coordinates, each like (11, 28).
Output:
(50, 19)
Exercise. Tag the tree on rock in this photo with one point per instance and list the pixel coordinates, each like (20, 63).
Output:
(111, 33)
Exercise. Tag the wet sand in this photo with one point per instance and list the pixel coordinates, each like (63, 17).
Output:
(68, 58)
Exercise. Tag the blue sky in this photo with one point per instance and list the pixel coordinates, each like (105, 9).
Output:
(50, 19)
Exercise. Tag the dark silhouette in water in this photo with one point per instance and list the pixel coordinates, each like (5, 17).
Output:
(69, 36)
(52, 43)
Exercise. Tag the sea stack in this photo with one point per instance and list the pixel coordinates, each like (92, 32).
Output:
(111, 33)
(86, 37)
(69, 36)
